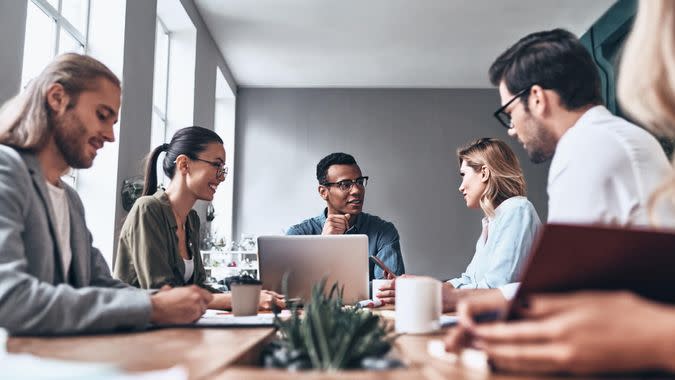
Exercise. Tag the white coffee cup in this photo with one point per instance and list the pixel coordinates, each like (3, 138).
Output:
(418, 305)
(245, 299)
(376, 285)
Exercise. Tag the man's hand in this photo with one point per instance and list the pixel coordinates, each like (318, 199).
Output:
(579, 333)
(336, 224)
(179, 305)
(471, 306)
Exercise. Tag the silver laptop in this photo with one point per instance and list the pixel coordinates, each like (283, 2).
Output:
(307, 259)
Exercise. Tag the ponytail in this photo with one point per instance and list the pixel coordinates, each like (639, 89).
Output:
(150, 182)
(188, 141)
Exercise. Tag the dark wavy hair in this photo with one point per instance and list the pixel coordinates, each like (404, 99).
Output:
(555, 60)
(189, 141)
(330, 160)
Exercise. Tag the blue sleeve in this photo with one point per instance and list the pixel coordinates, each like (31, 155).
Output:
(465, 280)
(294, 230)
(389, 251)
(510, 242)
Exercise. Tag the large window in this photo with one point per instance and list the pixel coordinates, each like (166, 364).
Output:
(174, 76)
(160, 93)
(161, 83)
(53, 27)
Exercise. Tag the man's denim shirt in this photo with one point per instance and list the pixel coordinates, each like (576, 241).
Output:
(383, 240)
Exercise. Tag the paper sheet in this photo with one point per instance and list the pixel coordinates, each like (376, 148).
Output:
(225, 318)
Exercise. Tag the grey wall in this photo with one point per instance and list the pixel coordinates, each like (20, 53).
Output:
(405, 140)
(12, 32)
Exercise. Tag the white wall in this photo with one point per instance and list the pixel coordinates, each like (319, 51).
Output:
(209, 62)
(405, 140)
(221, 226)
(96, 186)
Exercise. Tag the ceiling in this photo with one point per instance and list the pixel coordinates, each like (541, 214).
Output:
(379, 43)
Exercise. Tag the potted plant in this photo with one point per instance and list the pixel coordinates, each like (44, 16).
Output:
(329, 336)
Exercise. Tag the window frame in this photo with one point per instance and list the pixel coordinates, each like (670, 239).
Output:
(163, 115)
(63, 23)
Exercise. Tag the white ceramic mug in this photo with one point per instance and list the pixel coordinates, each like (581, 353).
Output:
(245, 299)
(418, 305)
(376, 285)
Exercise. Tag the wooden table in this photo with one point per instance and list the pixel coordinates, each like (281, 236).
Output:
(204, 352)
(224, 354)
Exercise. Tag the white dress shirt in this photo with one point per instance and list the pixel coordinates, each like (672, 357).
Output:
(603, 172)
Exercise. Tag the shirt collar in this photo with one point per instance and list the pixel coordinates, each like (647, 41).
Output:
(592, 113)
(161, 196)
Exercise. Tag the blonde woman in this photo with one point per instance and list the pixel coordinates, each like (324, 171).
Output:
(492, 181)
(600, 332)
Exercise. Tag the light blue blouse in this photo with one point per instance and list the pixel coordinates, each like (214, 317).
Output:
(510, 234)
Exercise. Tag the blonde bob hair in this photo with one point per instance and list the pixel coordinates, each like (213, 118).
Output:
(646, 86)
(25, 119)
(505, 178)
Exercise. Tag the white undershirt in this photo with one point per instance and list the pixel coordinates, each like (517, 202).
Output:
(62, 224)
(189, 269)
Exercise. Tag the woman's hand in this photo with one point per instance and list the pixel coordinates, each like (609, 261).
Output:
(581, 333)
(269, 298)
(387, 292)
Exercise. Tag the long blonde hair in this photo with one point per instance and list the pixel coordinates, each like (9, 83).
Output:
(25, 119)
(646, 86)
(506, 178)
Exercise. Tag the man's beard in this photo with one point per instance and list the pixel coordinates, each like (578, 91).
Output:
(541, 147)
(69, 132)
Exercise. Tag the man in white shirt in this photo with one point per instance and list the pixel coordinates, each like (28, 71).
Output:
(603, 171)
(603, 167)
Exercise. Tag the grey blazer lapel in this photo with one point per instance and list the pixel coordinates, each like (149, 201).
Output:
(41, 187)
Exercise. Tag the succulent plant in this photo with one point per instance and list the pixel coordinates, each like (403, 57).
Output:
(329, 335)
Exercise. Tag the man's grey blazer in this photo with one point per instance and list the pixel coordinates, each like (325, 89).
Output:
(35, 298)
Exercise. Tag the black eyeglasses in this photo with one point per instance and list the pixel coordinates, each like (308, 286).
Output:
(221, 168)
(346, 185)
(503, 116)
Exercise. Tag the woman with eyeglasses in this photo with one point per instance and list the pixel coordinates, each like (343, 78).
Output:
(159, 241)
(492, 181)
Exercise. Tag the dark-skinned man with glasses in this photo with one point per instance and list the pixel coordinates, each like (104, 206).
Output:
(343, 187)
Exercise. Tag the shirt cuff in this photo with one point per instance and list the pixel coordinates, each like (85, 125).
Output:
(509, 290)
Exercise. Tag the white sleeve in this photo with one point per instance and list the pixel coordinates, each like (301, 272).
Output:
(509, 290)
